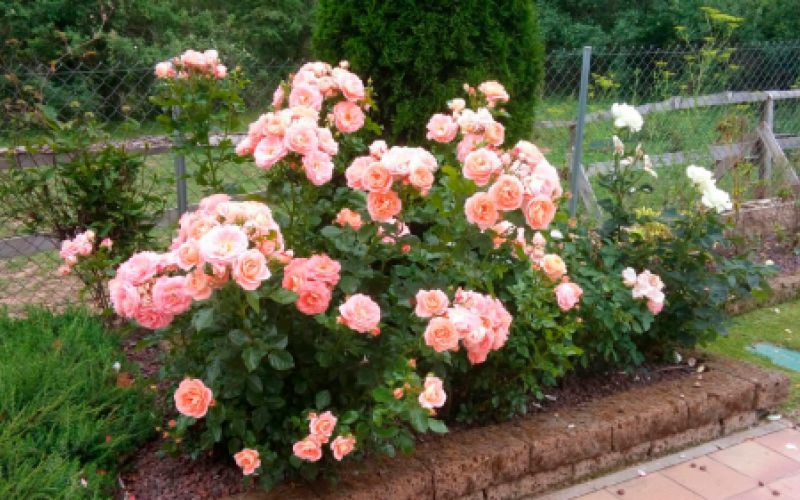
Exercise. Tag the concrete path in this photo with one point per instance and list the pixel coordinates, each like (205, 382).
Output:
(760, 463)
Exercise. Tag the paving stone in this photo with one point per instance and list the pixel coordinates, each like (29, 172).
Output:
(530, 485)
(756, 461)
(785, 442)
(286, 491)
(652, 487)
(710, 479)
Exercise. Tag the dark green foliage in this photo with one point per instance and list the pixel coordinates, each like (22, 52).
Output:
(419, 54)
(62, 416)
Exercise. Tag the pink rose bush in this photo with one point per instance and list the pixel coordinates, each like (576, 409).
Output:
(372, 291)
(645, 285)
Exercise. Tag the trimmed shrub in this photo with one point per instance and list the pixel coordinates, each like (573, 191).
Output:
(419, 54)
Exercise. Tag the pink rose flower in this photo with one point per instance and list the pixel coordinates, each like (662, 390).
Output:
(170, 295)
(655, 307)
(467, 144)
(431, 303)
(313, 297)
(342, 446)
(350, 84)
(495, 134)
(568, 295)
(355, 172)
(507, 192)
(432, 395)
(139, 268)
(326, 141)
(441, 335)
(348, 117)
(376, 178)
(480, 165)
(528, 152)
(301, 137)
(209, 203)
(421, 178)
(193, 398)
(151, 318)
(250, 269)
(322, 268)
(223, 244)
(553, 266)
(269, 151)
(382, 207)
(188, 255)
(165, 70)
(309, 449)
(481, 211)
(377, 149)
(629, 277)
(493, 91)
(347, 217)
(305, 95)
(124, 297)
(106, 243)
(277, 98)
(198, 285)
(539, 212)
(220, 71)
(318, 167)
(248, 460)
(442, 128)
(361, 313)
(322, 425)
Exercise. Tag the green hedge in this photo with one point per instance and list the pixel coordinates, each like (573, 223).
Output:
(62, 416)
(419, 54)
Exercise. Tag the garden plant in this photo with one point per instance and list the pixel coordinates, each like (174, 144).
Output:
(374, 292)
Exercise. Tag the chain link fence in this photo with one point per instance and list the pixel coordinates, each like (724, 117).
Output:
(673, 135)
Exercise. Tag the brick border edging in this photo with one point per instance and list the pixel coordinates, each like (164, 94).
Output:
(784, 289)
(537, 453)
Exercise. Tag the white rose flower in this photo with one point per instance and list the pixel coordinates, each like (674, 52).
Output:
(717, 199)
(702, 179)
(629, 276)
(626, 116)
(456, 105)
(556, 234)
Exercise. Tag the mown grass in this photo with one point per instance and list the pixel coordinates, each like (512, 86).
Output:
(63, 418)
(779, 325)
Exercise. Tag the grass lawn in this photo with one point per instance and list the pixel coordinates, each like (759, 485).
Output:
(66, 422)
(779, 325)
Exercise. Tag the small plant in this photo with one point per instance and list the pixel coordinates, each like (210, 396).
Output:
(88, 184)
(202, 106)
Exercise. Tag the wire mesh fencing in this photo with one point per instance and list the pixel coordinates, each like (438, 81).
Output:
(704, 105)
(676, 133)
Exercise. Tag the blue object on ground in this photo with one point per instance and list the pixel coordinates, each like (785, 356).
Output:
(781, 356)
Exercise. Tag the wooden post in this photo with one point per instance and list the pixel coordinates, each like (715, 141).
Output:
(765, 156)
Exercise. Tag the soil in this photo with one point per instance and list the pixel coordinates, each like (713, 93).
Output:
(785, 253)
(152, 474)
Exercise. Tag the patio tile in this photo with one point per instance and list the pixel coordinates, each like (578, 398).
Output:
(757, 461)
(652, 487)
(710, 479)
(787, 488)
(785, 442)
(598, 495)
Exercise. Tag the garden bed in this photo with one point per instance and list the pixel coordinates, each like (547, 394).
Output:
(531, 455)
(584, 427)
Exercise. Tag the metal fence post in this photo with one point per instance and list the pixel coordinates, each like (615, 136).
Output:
(577, 154)
(180, 172)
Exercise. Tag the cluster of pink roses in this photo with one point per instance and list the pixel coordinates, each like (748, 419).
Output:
(520, 178)
(320, 430)
(378, 172)
(480, 322)
(82, 245)
(192, 62)
(294, 132)
(312, 279)
(222, 239)
(645, 285)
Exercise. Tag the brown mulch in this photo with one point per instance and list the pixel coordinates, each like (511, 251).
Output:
(785, 253)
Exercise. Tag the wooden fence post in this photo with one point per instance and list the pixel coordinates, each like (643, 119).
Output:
(765, 156)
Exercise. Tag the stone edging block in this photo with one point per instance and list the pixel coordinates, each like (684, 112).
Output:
(534, 454)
